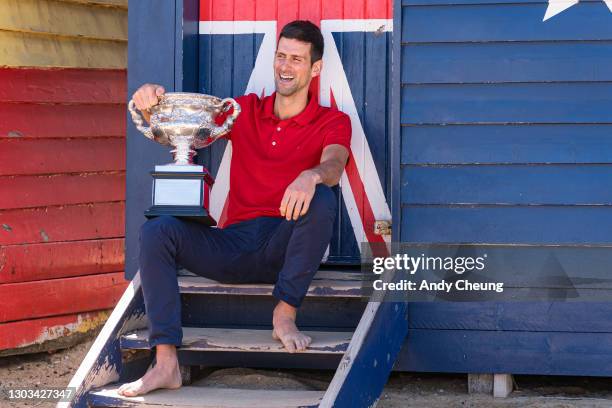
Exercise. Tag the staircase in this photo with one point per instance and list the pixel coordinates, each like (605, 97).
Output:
(228, 325)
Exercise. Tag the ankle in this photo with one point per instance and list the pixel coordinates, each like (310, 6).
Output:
(285, 310)
(165, 354)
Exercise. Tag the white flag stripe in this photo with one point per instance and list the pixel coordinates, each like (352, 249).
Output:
(363, 26)
(333, 77)
(236, 27)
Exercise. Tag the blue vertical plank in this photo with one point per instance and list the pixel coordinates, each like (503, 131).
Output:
(376, 88)
(149, 22)
(395, 140)
(225, 66)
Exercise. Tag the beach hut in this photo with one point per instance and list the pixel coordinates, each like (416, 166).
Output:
(62, 169)
(474, 122)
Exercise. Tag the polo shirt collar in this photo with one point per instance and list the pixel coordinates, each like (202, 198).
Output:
(303, 118)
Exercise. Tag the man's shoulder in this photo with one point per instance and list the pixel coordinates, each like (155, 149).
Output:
(333, 115)
(249, 100)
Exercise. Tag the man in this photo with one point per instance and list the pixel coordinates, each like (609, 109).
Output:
(287, 152)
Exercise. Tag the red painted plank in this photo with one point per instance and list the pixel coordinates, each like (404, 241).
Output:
(31, 156)
(38, 120)
(19, 301)
(63, 85)
(37, 331)
(283, 10)
(61, 189)
(31, 262)
(65, 223)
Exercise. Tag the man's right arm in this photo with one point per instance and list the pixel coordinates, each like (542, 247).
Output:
(147, 96)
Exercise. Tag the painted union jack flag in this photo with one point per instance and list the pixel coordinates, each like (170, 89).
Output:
(237, 44)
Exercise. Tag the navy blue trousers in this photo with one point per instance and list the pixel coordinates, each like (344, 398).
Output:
(261, 250)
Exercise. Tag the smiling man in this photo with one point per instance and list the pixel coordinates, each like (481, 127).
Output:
(287, 153)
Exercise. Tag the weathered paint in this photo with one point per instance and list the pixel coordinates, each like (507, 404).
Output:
(25, 300)
(103, 363)
(79, 35)
(66, 86)
(327, 287)
(63, 194)
(209, 397)
(62, 189)
(61, 156)
(62, 331)
(31, 262)
(62, 223)
(242, 340)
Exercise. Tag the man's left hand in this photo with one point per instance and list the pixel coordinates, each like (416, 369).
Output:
(298, 195)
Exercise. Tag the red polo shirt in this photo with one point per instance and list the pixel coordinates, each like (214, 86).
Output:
(269, 153)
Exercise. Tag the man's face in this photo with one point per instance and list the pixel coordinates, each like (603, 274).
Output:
(292, 68)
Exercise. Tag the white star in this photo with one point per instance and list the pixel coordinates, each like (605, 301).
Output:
(557, 6)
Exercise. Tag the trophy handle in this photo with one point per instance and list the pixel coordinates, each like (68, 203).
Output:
(138, 120)
(219, 131)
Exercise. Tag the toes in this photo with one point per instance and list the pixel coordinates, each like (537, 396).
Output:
(274, 335)
(289, 344)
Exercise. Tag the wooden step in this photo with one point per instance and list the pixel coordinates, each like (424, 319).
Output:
(325, 284)
(243, 340)
(207, 397)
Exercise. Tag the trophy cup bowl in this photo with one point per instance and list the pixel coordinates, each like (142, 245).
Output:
(185, 121)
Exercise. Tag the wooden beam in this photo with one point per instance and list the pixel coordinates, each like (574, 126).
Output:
(480, 383)
(29, 157)
(102, 363)
(243, 340)
(64, 223)
(502, 385)
(33, 262)
(79, 20)
(29, 120)
(20, 301)
(327, 287)
(63, 85)
(25, 49)
(208, 397)
(123, 4)
(61, 189)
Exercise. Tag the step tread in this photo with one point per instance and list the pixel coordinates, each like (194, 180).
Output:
(243, 340)
(207, 397)
(324, 284)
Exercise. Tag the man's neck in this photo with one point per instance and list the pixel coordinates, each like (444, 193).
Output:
(286, 107)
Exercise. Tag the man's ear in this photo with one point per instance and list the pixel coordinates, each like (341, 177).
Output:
(316, 68)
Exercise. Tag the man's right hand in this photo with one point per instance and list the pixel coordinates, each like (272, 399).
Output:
(147, 96)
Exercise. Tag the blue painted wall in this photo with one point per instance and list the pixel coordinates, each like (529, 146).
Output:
(506, 137)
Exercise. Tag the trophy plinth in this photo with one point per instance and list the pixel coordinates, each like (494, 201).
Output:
(185, 121)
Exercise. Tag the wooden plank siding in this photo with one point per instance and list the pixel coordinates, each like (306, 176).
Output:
(505, 139)
(62, 169)
(52, 33)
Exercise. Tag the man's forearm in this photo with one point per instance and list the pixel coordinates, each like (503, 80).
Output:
(328, 172)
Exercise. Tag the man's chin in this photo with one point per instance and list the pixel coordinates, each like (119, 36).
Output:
(285, 92)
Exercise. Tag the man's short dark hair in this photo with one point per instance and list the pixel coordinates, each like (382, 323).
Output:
(305, 31)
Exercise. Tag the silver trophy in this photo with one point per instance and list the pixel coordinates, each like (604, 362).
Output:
(185, 121)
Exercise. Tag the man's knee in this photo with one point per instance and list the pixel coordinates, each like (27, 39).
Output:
(324, 203)
(155, 230)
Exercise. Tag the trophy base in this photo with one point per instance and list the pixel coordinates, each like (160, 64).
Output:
(191, 213)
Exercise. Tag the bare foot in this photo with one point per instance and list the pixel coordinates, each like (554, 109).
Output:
(286, 331)
(164, 373)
